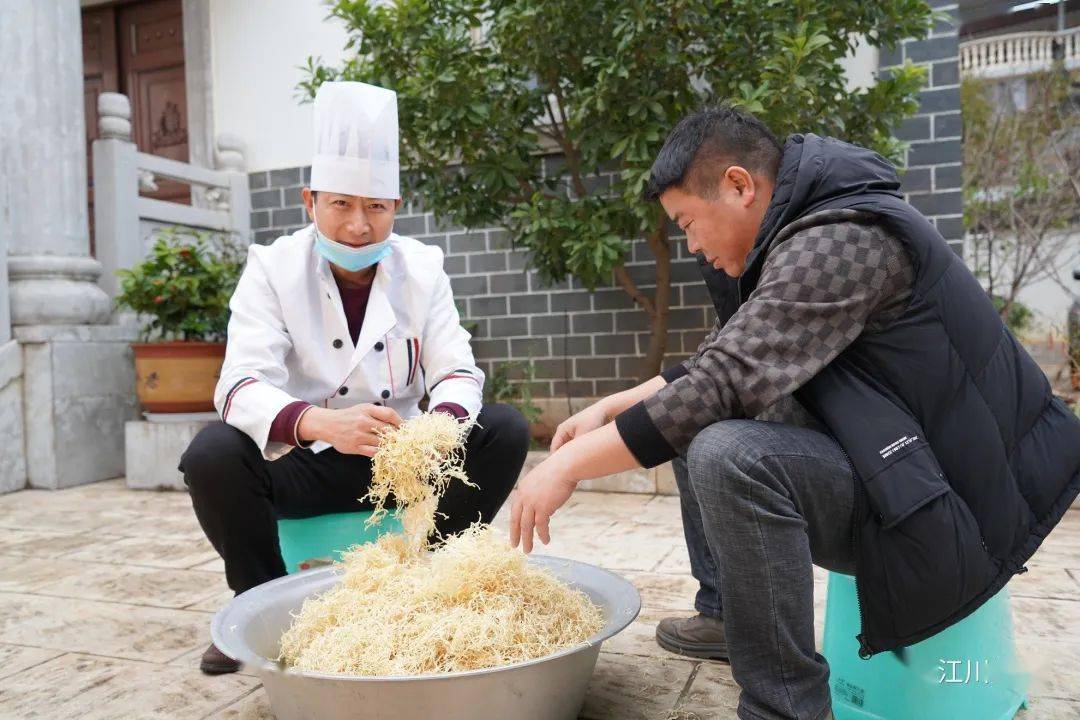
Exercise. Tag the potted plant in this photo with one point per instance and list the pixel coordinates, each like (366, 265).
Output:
(181, 291)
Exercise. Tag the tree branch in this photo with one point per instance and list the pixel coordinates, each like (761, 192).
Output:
(658, 242)
(633, 291)
(573, 159)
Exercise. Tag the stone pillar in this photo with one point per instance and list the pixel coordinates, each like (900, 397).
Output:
(43, 178)
(77, 382)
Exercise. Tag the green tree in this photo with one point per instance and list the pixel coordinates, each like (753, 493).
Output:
(485, 87)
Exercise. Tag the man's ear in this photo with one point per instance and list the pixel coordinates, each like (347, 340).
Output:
(397, 204)
(308, 198)
(743, 182)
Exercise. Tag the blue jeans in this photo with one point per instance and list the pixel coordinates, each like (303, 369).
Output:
(761, 503)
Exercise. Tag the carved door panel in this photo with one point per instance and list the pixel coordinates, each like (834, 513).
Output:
(151, 51)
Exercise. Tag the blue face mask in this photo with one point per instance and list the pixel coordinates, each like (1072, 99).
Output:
(347, 256)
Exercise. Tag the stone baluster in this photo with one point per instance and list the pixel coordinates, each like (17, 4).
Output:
(230, 158)
(116, 190)
(230, 153)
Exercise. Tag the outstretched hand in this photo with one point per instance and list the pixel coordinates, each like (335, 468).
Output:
(545, 489)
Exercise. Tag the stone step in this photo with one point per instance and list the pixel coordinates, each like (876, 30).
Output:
(152, 451)
(655, 481)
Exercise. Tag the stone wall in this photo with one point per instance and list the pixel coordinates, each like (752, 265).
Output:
(933, 178)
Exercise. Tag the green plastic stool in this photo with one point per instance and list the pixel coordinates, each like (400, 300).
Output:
(320, 540)
(968, 670)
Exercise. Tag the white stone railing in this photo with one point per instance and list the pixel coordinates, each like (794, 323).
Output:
(1018, 53)
(121, 171)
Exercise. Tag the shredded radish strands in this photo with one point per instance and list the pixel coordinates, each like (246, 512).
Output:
(473, 603)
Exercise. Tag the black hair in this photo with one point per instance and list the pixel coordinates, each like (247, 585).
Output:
(704, 145)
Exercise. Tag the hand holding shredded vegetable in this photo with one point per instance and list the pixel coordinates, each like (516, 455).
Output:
(415, 463)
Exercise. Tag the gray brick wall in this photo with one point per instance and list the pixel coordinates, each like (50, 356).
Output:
(581, 343)
(586, 344)
(932, 181)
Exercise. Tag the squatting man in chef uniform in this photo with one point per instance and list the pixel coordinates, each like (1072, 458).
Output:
(337, 332)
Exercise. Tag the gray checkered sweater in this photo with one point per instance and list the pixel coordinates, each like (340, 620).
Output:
(827, 278)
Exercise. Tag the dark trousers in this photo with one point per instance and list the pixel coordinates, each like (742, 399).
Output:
(762, 503)
(238, 495)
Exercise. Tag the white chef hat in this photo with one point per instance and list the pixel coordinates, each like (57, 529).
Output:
(356, 140)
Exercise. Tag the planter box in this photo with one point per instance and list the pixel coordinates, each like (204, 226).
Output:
(177, 377)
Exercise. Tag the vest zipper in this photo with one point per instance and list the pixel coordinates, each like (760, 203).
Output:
(865, 650)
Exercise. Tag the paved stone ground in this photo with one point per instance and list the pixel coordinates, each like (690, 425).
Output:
(106, 596)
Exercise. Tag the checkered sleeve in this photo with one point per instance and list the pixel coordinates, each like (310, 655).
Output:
(675, 372)
(817, 291)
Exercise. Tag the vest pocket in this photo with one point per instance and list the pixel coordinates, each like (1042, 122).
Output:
(929, 548)
(905, 485)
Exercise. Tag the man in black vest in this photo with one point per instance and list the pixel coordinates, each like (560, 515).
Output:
(859, 405)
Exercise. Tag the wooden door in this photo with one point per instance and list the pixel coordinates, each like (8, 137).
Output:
(150, 40)
(100, 74)
(137, 48)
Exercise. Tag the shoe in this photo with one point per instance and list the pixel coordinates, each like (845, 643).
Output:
(700, 636)
(215, 662)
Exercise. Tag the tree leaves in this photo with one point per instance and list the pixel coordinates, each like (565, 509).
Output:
(624, 71)
(477, 78)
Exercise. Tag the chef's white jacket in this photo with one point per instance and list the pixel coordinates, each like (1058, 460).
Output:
(288, 338)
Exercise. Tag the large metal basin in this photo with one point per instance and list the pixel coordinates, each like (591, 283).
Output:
(550, 688)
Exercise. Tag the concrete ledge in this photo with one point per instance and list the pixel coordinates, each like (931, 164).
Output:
(152, 451)
(659, 480)
(123, 333)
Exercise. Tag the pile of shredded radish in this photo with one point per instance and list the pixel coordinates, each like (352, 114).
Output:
(472, 603)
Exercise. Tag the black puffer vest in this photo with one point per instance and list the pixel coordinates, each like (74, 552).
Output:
(964, 459)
